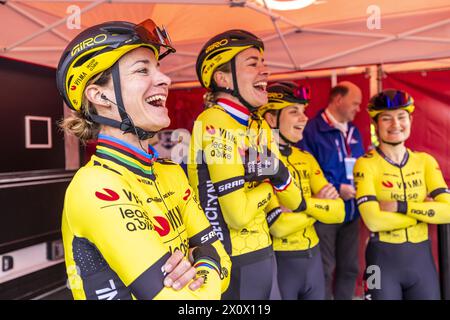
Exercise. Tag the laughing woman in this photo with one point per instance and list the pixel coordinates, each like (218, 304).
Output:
(229, 165)
(132, 227)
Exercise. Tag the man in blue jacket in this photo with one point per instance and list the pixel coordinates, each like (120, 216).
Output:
(336, 144)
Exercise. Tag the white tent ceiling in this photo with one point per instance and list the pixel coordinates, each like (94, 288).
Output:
(327, 34)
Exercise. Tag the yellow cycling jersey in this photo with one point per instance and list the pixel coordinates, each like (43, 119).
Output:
(124, 214)
(294, 231)
(418, 175)
(235, 208)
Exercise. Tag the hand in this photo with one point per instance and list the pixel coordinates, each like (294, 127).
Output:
(180, 272)
(263, 164)
(327, 192)
(389, 206)
(347, 191)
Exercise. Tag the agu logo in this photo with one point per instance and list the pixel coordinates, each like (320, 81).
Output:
(162, 226)
(317, 172)
(387, 184)
(107, 195)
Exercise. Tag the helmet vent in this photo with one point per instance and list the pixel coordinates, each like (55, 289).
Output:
(218, 52)
(117, 30)
(83, 59)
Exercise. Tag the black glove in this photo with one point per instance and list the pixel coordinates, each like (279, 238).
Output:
(264, 165)
(207, 255)
(206, 251)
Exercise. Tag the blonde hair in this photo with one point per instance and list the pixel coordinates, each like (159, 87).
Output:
(78, 123)
(210, 97)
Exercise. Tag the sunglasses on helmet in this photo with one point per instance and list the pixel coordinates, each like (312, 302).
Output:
(384, 101)
(302, 93)
(151, 33)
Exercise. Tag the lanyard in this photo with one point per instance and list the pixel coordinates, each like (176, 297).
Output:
(346, 138)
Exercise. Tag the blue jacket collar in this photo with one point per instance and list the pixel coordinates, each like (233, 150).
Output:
(324, 127)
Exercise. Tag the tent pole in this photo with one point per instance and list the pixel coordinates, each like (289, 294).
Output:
(347, 52)
(384, 37)
(348, 33)
(379, 79)
(333, 78)
(424, 28)
(276, 36)
(428, 39)
(52, 26)
(377, 43)
(281, 36)
(373, 80)
(285, 45)
(35, 19)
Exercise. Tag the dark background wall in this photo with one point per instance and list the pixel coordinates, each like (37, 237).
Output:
(32, 181)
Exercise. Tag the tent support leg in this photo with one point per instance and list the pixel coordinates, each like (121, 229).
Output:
(379, 78)
(444, 259)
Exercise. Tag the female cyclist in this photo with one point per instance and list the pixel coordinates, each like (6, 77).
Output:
(393, 185)
(233, 163)
(299, 263)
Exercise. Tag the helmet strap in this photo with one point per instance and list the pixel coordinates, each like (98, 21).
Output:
(235, 92)
(392, 143)
(289, 142)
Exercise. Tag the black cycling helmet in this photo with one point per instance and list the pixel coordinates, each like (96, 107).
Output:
(97, 49)
(282, 95)
(390, 99)
(221, 49)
